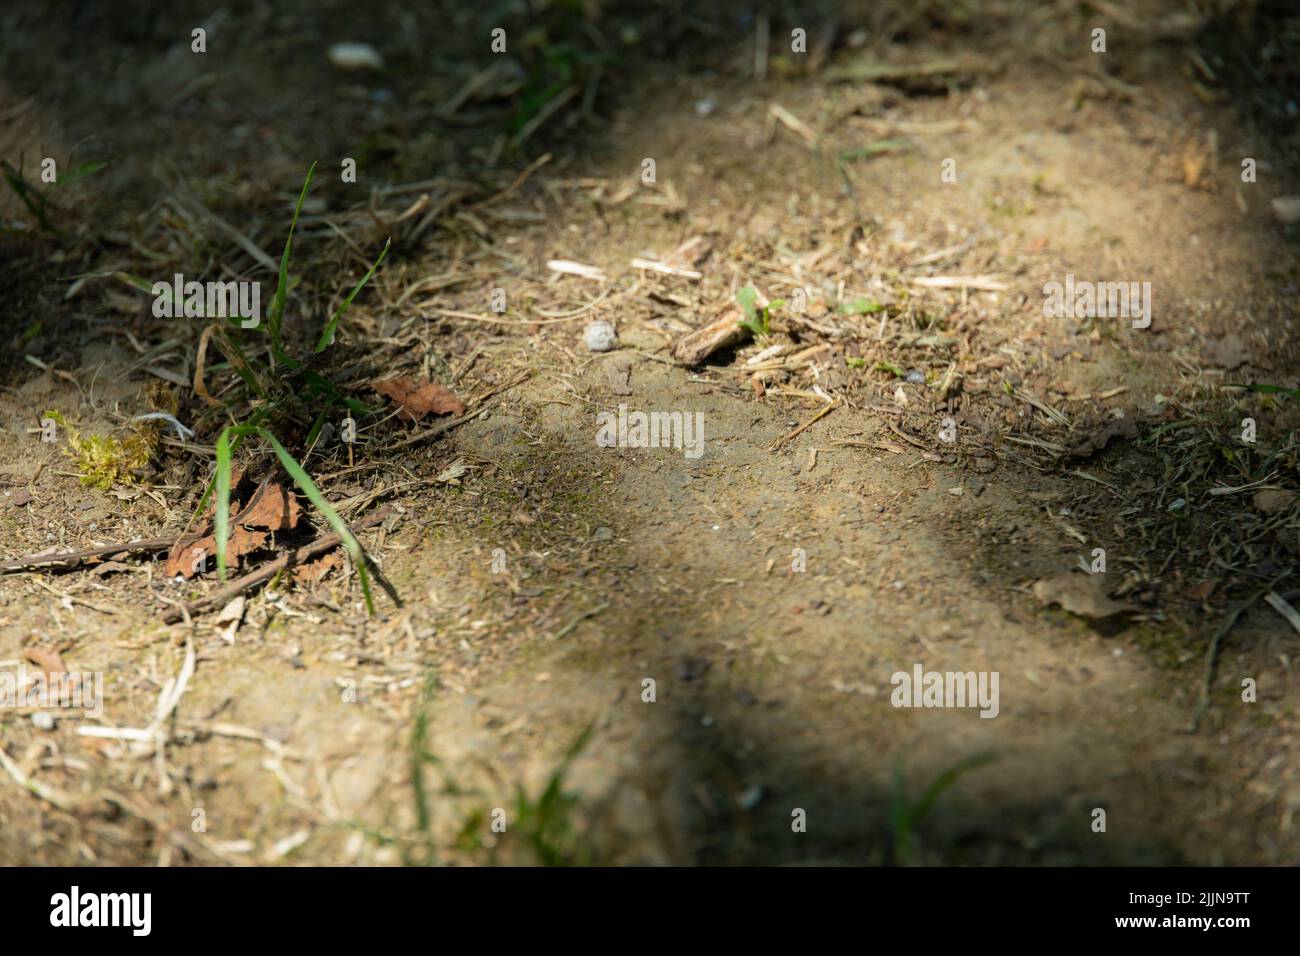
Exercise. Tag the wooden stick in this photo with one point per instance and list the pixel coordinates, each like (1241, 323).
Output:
(694, 347)
(76, 557)
(268, 571)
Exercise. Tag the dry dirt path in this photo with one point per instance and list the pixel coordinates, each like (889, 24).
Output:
(544, 589)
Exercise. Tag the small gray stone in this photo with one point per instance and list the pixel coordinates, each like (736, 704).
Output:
(600, 336)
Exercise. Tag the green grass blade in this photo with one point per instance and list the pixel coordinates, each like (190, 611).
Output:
(80, 172)
(282, 284)
(1275, 390)
(303, 481)
(921, 809)
(900, 815)
(135, 282)
(327, 335)
(221, 512)
(237, 433)
(24, 193)
(748, 300)
(227, 442)
(244, 367)
(318, 424)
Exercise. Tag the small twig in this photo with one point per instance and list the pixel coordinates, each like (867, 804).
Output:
(73, 599)
(578, 620)
(50, 795)
(1279, 604)
(791, 434)
(33, 561)
(519, 180)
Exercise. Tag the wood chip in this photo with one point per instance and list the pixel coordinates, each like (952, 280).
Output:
(568, 267)
(695, 347)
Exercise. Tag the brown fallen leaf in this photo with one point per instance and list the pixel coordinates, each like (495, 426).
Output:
(276, 509)
(1201, 591)
(313, 571)
(1081, 594)
(237, 473)
(1270, 501)
(1119, 428)
(419, 400)
(49, 661)
(690, 253)
(188, 559)
(1227, 353)
(51, 664)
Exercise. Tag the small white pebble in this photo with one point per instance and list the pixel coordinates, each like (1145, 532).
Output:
(599, 336)
(355, 56)
(43, 720)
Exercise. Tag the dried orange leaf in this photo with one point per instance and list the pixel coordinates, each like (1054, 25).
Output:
(419, 400)
(191, 558)
(1081, 594)
(315, 570)
(276, 509)
(48, 661)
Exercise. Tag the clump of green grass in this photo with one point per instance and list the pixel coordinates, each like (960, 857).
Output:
(906, 815)
(546, 821)
(758, 319)
(277, 394)
(38, 201)
(283, 371)
(542, 824)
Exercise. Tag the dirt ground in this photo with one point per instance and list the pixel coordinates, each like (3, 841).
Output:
(771, 586)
